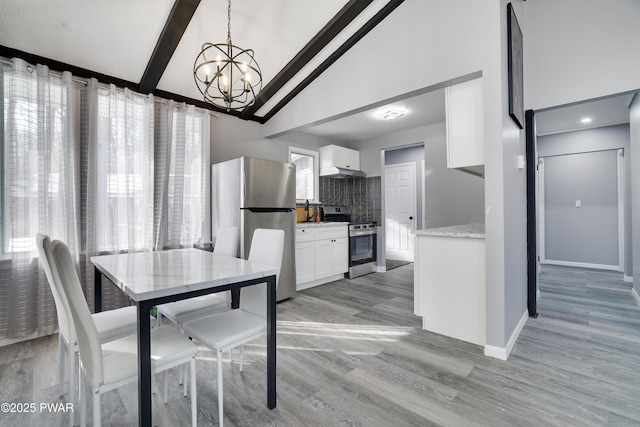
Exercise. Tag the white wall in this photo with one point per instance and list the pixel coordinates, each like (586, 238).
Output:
(442, 41)
(420, 44)
(576, 50)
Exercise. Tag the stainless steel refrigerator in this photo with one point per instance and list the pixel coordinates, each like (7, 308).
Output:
(254, 193)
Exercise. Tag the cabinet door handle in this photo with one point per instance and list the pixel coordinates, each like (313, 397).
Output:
(411, 218)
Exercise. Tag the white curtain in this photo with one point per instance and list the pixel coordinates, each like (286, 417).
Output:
(120, 178)
(40, 189)
(182, 149)
(103, 169)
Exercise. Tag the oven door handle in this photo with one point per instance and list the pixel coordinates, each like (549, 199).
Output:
(362, 233)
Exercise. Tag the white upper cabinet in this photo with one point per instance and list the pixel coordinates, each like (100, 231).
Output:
(334, 156)
(465, 124)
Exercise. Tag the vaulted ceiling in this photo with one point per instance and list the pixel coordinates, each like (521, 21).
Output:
(150, 45)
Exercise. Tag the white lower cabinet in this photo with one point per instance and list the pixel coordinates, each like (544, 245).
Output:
(322, 254)
(340, 255)
(305, 260)
(323, 258)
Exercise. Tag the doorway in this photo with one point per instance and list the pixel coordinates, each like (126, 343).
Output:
(581, 210)
(559, 132)
(403, 189)
(400, 211)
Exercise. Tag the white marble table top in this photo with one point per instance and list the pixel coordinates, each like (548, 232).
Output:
(473, 230)
(146, 275)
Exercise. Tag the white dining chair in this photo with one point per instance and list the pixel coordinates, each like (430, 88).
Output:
(110, 365)
(225, 331)
(110, 325)
(182, 311)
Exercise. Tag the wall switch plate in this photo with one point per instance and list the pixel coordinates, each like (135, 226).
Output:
(521, 162)
(578, 203)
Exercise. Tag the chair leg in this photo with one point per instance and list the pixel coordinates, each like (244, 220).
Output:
(83, 402)
(241, 355)
(61, 351)
(220, 390)
(183, 372)
(158, 319)
(97, 418)
(72, 379)
(194, 394)
(166, 382)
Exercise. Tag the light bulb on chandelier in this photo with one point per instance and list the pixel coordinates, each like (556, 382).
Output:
(237, 79)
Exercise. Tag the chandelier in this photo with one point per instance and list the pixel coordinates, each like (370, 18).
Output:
(227, 75)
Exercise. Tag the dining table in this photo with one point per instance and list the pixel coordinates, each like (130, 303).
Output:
(156, 277)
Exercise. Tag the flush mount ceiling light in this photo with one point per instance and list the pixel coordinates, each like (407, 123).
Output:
(227, 75)
(390, 114)
(586, 120)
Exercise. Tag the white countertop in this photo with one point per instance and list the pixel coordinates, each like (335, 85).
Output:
(146, 275)
(319, 224)
(473, 230)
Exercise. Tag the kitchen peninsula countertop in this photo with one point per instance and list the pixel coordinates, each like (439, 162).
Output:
(319, 224)
(473, 230)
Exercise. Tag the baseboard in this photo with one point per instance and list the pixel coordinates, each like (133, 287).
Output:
(628, 279)
(583, 265)
(635, 296)
(10, 341)
(307, 285)
(503, 353)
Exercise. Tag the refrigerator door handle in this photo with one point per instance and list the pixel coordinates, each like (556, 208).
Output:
(268, 210)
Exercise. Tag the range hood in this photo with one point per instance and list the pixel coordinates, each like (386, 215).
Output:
(336, 172)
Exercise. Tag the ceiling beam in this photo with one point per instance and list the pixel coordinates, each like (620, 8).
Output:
(343, 18)
(174, 28)
(383, 13)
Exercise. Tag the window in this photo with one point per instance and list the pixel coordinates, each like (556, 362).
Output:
(34, 143)
(306, 162)
(124, 175)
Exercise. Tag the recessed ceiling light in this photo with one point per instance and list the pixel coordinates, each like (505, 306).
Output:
(586, 120)
(391, 114)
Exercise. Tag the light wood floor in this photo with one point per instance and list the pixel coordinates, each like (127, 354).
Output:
(351, 353)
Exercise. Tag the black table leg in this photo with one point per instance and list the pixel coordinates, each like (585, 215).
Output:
(144, 365)
(97, 291)
(271, 342)
(235, 298)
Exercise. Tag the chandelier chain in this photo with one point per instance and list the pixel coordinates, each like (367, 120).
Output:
(229, 23)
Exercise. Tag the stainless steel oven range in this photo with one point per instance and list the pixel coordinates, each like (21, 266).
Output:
(362, 241)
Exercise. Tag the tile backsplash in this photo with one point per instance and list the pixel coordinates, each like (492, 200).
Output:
(362, 195)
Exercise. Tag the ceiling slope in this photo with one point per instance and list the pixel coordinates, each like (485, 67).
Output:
(149, 45)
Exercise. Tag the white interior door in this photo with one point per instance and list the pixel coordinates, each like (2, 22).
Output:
(400, 210)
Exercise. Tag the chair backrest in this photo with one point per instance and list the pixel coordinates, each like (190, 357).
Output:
(227, 241)
(88, 342)
(267, 247)
(62, 308)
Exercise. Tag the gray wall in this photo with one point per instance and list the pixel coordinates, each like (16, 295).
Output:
(635, 190)
(452, 197)
(586, 234)
(232, 137)
(605, 138)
